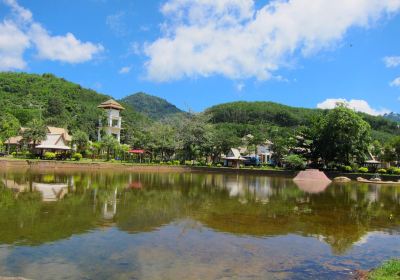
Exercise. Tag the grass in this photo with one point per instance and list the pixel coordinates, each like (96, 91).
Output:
(389, 270)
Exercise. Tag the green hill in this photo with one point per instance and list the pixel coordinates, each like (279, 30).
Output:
(151, 106)
(250, 117)
(58, 102)
(393, 117)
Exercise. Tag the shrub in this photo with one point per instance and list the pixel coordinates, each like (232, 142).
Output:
(347, 168)
(363, 170)
(176, 162)
(209, 164)
(295, 162)
(219, 165)
(394, 170)
(382, 171)
(49, 155)
(77, 156)
(14, 154)
(188, 162)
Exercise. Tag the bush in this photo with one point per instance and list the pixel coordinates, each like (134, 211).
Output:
(14, 154)
(382, 171)
(209, 164)
(347, 168)
(295, 162)
(188, 162)
(77, 156)
(393, 170)
(176, 162)
(219, 165)
(49, 155)
(363, 170)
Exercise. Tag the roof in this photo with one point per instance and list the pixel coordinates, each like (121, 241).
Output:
(136, 151)
(53, 142)
(111, 103)
(60, 130)
(234, 154)
(14, 140)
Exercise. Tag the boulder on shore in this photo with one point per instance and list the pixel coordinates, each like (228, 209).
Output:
(341, 179)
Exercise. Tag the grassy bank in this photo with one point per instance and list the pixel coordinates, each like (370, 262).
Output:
(389, 270)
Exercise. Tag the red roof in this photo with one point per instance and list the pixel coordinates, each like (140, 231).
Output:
(136, 151)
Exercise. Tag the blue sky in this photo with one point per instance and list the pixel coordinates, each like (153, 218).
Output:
(200, 53)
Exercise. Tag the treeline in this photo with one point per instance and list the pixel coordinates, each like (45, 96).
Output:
(311, 134)
(250, 116)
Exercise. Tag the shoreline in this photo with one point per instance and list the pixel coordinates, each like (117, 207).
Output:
(130, 167)
(134, 167)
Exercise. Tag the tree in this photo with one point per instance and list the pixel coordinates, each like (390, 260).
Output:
(109, 143)
(9, 126)
(81, 140)
(395, 143)
(193, 139)
(35, 132)
(343, 136)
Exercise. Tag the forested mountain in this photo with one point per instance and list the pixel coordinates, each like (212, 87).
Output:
(249, 117)
(151, 106)
(65, 104)
(58, 102)
(393, 116)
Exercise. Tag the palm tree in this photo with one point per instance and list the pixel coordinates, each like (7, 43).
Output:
(109, 143)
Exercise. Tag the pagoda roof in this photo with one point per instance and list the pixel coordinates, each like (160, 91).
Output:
(112, 104)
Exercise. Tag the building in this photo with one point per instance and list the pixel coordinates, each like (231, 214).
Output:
(113, 120)
(262, 151)
(57, 139)
(233, 158)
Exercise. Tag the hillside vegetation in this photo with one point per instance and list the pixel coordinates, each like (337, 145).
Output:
(152, 106)
(248, 117)
(58, 102)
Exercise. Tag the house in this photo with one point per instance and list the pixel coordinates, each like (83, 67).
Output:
(233, 158)
(53, 143)
(57, 139)
(262, 151)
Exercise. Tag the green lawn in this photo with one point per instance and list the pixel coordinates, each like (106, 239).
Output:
(389, 270)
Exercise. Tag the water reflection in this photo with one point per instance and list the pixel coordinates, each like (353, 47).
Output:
(261, 206)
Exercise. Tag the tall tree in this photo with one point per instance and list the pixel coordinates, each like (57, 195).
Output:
(109, 143)
(81, 140)
(343, 136)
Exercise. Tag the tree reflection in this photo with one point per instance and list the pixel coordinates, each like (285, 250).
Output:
(244, 205)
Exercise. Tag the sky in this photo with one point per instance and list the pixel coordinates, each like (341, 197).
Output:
(199, 53)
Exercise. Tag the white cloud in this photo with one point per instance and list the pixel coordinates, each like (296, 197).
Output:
(21, 32)
(62, 48)
(395, 82)
(355, 104)
(13, 43)
(391, 61)
(235, 39)
(125, 70)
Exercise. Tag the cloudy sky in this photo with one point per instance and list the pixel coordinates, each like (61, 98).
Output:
(197, 53)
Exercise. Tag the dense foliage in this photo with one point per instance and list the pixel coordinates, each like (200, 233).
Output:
(58, 102)
(151, 106)
(250, 117)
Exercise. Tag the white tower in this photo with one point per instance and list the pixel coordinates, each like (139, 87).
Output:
(113, 125)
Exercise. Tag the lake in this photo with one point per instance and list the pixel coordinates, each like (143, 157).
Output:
(116, 225)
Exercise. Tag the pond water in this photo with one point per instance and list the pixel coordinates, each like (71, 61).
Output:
(96, 225)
